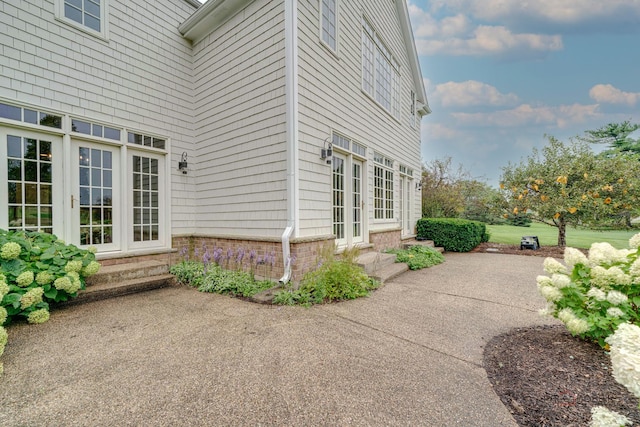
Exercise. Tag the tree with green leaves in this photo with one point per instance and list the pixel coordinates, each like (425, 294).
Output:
(566, 184)
(616, 136)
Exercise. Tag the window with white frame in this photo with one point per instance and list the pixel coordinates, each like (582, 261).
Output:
(85, 14)
(382, 187)
(380, 71)
(329, 22)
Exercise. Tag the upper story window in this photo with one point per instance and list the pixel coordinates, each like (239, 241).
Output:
(329, 22)
(413, 109)
(380, 70)
(84, 14)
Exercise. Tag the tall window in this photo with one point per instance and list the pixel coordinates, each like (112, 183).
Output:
(380, 72)
(86, 13)
(382, 187)
(329, 19)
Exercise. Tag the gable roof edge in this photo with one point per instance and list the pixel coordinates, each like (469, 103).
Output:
(414, 63)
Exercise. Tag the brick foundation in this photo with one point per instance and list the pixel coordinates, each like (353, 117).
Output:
(305, 252)
(383, 240)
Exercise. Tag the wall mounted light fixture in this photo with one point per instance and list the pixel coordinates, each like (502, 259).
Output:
(182, 164)
(419, 185)
(326, 153)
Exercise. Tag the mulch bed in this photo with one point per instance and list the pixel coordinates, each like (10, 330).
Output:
(546, 377)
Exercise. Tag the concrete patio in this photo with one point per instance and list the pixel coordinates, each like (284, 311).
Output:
(411, 354)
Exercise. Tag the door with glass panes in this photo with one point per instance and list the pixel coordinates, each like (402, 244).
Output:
(348, 203)
(95, 199)
(31, 175)
(405, 204)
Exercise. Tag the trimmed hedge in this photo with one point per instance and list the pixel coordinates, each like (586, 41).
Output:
(453, 234)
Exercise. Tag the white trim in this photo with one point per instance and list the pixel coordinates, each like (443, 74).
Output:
(104, 20)
(333, 50)
(291, 95)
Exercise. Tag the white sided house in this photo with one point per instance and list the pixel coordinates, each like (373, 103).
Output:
(142, 127)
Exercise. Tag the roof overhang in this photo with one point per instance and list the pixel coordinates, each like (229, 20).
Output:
(412, 53)
(209, 17)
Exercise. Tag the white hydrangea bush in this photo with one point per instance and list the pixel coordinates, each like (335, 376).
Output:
(593, 294)
(37, 269)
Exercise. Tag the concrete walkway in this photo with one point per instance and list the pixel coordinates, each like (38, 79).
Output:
(411, 354)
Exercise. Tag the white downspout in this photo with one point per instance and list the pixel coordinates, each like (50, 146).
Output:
(291, 101)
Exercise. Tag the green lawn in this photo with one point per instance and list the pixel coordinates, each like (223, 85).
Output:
(548, 236)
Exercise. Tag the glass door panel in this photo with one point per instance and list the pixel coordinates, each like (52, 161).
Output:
(95, 200)
(32, 172)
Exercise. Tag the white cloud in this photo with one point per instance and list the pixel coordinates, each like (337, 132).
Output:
(456, 34)
(486, 40)
(471, 93)
(526, 115)
(611, 95)
(562, 12)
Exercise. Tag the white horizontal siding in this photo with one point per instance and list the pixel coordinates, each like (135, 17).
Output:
(240, 125)
(331, 99)
(140, 78)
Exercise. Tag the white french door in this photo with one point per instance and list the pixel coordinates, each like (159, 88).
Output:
(31, 175)
(95, 199)
(348, 202)
(405, 204)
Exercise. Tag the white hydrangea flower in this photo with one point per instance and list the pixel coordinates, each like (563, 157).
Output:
(634, 242)
(614, 312)
(566, 314)
(25, 279)
(4, 289)
(577, 326)
(597, 294)
(625, 356)
(618, 277)
(10, 250)
(551, 266)
(617, 298)
(38, 316)
(634, 270)
(602, 417)
(599, 276)
(603, 253)
(547, 311)
(551, 293)
(3, 315)
(560, 280)
(543, 281)
(573, 257)
(31, 297)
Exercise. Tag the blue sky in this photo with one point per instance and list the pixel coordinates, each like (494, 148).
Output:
(500, 74)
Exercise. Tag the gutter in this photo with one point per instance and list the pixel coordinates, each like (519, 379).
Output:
(291, 101)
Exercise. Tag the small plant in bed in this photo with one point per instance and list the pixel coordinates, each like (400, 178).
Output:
(334, 280)
(417, 257)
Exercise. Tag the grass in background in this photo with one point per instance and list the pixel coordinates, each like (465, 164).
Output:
(548, 236)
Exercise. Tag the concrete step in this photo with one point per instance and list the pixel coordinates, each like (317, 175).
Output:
(119, 288)
(408, 243)
(388, 272)
(372, 261)
(122, 272)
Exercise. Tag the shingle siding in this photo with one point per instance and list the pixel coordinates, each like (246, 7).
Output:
(240, 125)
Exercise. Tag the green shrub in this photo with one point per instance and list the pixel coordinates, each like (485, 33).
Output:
(36, 270)
(418, 257)
(218, 280)
(453, 234)
(334, 280)
(593, 295)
